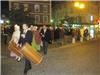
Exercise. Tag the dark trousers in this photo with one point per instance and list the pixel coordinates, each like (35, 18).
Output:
(5, 37)
(45, 47)
(27, 66)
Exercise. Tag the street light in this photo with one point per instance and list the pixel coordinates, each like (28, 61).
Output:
(51, 20)
(79, 5)
(76, 4)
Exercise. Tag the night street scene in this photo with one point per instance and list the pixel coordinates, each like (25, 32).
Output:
(50, 37)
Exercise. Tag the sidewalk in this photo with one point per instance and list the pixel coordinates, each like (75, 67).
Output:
(70, 44)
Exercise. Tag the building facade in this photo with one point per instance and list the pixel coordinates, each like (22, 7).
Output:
(66, 8)
(39, 10)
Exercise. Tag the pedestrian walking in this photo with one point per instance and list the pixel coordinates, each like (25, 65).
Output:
(15, 38)
(74, 35)
(36, 42)
(61, 35)
(26, 36)
(81, 34)
(51, 34)
(5, 34)
(45, 33)
(86, 34)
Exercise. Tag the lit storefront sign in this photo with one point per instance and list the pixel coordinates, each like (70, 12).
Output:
(91, 18)
(92, 31)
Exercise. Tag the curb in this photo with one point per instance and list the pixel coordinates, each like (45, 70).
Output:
(75, 44)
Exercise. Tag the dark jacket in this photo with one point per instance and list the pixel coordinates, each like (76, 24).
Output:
(56, 33)
(28, 38)
(46, 35)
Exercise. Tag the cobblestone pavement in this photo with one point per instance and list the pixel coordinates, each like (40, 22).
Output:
(74, 59)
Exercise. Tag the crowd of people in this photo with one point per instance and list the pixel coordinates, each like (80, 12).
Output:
(40, 38)
(57, 34)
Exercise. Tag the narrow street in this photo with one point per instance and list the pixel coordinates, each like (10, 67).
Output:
(74, 59)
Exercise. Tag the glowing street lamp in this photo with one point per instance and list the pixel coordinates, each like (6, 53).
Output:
(76, 4)
(51, 21)
(81, 6)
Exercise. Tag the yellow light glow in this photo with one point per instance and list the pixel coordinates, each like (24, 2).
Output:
(96, 26)
(85, 27)
(76, 4)
(81, 6)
